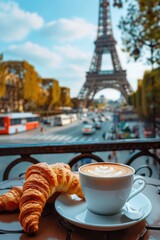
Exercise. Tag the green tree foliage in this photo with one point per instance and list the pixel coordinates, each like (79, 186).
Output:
(141, 30)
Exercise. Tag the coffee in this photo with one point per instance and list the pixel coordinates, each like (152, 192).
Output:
(107, 186)
(106, 170)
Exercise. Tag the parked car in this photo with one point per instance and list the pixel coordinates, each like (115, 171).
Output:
(148, 130)
(128, 133)
(88, 129)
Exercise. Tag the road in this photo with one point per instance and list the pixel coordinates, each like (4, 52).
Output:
(70, 133)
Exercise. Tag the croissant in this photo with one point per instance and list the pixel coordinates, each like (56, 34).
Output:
(68, 181)
(42, 181)
(10, 201)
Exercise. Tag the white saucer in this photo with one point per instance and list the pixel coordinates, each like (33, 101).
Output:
(75, 211)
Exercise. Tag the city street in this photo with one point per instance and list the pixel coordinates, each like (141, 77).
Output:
(70, 133)
(61, 134)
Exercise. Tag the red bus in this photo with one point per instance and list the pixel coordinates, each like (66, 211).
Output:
(11, 123)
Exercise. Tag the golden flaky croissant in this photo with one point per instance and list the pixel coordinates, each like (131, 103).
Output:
(10, 201)
(42, 181)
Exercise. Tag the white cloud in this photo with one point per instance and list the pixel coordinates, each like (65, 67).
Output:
(35, 54)
(49, 64)
(15, 23)
(69, 29)
(72, 71)
(71, 51)
(58, 64)
(73, 54)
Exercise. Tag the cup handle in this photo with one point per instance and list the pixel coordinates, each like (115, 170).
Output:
(142, 186)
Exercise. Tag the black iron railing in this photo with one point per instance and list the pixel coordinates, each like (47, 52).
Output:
(139, 148)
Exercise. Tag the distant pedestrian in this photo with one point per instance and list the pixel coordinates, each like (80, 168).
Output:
(109, 157)
(104, 136)
(42, 129)
(114, 156)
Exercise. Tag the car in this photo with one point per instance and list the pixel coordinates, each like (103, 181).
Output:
(128, 133)
(88, 129)
(97, 125)
(87, 121)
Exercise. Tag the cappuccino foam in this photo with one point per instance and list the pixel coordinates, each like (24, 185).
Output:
(106, 170)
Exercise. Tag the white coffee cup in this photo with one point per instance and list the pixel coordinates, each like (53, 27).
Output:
(108, 186)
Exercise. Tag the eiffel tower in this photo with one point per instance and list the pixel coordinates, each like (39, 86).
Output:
(98, 78)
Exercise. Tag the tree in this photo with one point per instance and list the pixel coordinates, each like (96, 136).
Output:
(3, 75)
(75, 102)
(138, 98)
(28, 87)
(31, 88)
(140, 30)
(53, 92)
(41, 98)
(151, 94)
(65, 96)
(56, 92)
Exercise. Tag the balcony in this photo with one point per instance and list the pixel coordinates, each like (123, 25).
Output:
(144, 155)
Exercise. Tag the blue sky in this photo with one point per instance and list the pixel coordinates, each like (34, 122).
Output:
(57, 38)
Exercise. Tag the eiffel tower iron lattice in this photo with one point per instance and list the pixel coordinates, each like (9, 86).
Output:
(105, 44)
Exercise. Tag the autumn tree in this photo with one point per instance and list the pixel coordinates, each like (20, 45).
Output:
(56, 93)
(41, 98)
(31, 87)
(75, 102)
(53, 92)
(3, 75)
(141, 31)
(28, 86)
(65, 97)
(138, 98)
(151, 94)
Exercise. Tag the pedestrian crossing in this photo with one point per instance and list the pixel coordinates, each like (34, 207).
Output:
(50, 138)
